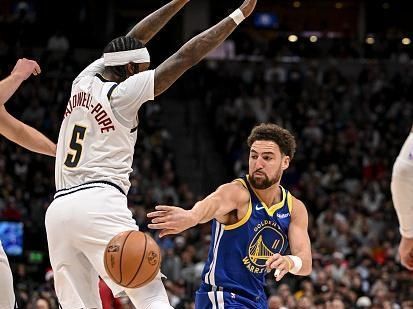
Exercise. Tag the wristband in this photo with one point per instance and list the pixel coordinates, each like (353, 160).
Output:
(298, 264)
(237, 16)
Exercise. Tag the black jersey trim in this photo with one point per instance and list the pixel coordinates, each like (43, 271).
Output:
(89, 183)
(103, 79)
(111, 90)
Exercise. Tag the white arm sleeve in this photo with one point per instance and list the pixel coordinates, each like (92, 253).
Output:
(402, 188)
(402, 192)
(129, 95)
(92, 69)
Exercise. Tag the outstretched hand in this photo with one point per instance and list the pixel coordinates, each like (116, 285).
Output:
(170, 220)
(25, 67)
(281, 264)
(248, 7)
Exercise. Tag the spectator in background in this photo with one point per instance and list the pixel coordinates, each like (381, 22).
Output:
(58, 42)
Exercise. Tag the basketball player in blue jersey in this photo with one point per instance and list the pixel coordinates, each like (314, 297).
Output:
(27, 137)
(402, 194)
(254, 222)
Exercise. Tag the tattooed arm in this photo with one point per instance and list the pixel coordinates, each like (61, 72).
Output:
(147, 28)
(196, 49)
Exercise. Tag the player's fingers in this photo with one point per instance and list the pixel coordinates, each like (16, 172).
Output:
(167, 232)
(158, 226)
(154, 214)
(161, 219)
(37, 68)
(280, 275)
(276, 262)
(164, 207)
(272, 259)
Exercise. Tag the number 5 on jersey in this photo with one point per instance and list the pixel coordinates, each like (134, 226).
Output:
(76, 146)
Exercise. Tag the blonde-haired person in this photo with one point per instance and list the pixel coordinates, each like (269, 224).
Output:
(25, 136)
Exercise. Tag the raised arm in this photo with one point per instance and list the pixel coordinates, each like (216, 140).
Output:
(218, 205)
(197, 48)
(147, 28)
(25, 135)
(14, 129)
(22, 70)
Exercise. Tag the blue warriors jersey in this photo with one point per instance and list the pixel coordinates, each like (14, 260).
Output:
(234, 274)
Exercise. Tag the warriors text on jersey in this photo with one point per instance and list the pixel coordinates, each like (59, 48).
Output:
(97, 139)
(238, 252)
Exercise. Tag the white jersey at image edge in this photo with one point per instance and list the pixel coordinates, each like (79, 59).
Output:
(96, 141)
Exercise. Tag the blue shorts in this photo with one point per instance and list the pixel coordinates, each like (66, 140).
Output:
(207, 299)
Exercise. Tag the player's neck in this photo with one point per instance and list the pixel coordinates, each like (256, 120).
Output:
(110, 77)
(271, 195)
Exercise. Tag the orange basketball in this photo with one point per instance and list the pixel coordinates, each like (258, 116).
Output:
(132, 259)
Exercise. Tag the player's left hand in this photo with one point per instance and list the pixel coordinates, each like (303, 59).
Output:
(170, 220)
(281, 264)
(406, 252)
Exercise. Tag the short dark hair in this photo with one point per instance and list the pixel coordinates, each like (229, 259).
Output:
(274, 133)
(121, 43)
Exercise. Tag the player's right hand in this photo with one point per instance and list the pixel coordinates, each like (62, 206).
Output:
(170, 220)
(25, 67)
(248, 7)
(406, 252)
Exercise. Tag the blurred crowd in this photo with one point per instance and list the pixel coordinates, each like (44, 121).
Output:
(349, 120)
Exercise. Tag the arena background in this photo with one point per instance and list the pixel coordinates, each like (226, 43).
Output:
(336, 73)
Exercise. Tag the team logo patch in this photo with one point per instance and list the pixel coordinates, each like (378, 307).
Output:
(268, 240)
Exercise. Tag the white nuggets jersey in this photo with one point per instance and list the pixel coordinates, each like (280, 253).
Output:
(98, 133)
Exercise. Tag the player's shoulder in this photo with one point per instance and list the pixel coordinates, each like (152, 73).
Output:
(141, 77)
(237, 190)
(298, 207)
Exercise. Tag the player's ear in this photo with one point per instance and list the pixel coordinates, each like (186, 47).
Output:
(144, 66)
(285, 162)
(130, 69)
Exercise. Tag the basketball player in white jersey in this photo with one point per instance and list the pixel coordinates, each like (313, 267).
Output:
(95, 152)
(26, 137)
(402, 193)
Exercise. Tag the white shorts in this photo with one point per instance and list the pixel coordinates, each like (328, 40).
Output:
(79, 224)
(7, 299)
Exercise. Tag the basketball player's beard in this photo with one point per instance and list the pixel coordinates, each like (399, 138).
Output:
(266, 182)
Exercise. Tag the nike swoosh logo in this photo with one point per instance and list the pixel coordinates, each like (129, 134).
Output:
(259, 208)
